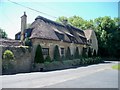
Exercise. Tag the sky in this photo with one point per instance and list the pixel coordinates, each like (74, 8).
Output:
(10, 13)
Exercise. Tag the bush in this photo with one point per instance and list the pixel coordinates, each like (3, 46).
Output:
(7, 63)
(38, 55)
(63, 58)
(68, 54)
(94, 53)
(76, 55)
(56, 53)
(28, 42)
(84, 54)
(89, 61)
(89, 52)
(8, 55)
(48, 59)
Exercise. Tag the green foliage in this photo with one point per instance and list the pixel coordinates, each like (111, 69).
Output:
(56, 53)
(8, 60)
(84, 54)
(89, 61)
(76, 55)
(38, 55)
(77, 22)
(48, 59)
(117, 67)
(8, 55)
(27, 42)
(68, 54)
(89, 52)
(107, 31)
(3, 33)
(61, 19)
(94, 53)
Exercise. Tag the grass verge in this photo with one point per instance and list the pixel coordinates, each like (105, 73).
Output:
(117, 67)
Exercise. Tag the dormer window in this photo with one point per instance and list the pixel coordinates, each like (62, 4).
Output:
(25, 35)
(60, 36)
(18, 37)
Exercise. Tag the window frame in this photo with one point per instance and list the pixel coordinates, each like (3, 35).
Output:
(45, 51)
(62, 51)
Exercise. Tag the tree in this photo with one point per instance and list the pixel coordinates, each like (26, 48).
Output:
(89, 52)
(3, 33)
(38, 55)
(56, 53)
(84, 54)
(94, 53)
(61, 19)
(107, 31)
(76, 53)
(68, 54)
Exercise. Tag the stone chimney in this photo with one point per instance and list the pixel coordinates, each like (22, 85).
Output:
(23, 26)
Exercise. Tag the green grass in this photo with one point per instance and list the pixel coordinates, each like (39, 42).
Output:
(116, 67)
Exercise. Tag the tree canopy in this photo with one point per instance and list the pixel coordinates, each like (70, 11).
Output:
(107, 30)
(3, 34)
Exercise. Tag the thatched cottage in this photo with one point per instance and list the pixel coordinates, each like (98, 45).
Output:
(49, 33)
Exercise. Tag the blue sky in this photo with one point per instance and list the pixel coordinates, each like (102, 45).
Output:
(11, 13)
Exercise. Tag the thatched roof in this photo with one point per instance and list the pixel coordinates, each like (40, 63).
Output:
(48, 29)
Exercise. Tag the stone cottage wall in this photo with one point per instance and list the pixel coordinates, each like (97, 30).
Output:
(22, 62)
(51, 45)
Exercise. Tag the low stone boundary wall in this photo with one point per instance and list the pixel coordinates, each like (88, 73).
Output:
(22, 61)
(56, 65)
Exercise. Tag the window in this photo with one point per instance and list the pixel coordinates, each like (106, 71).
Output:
(45, 51)
(60, 36)
(62, 51)
(18, 37)
(25, 35)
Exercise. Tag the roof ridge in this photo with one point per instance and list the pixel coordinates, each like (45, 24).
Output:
(43, 18)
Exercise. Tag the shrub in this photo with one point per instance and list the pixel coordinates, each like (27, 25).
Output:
(68, 54)
(56, 53)
(76, 55)
(94, 53)
(84, 54)
(89, 52)
(48, 59)
(38, 55)
(8, 55)
(91, 60)
(28, 42)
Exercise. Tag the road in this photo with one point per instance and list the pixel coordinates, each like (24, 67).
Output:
(93, 76)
